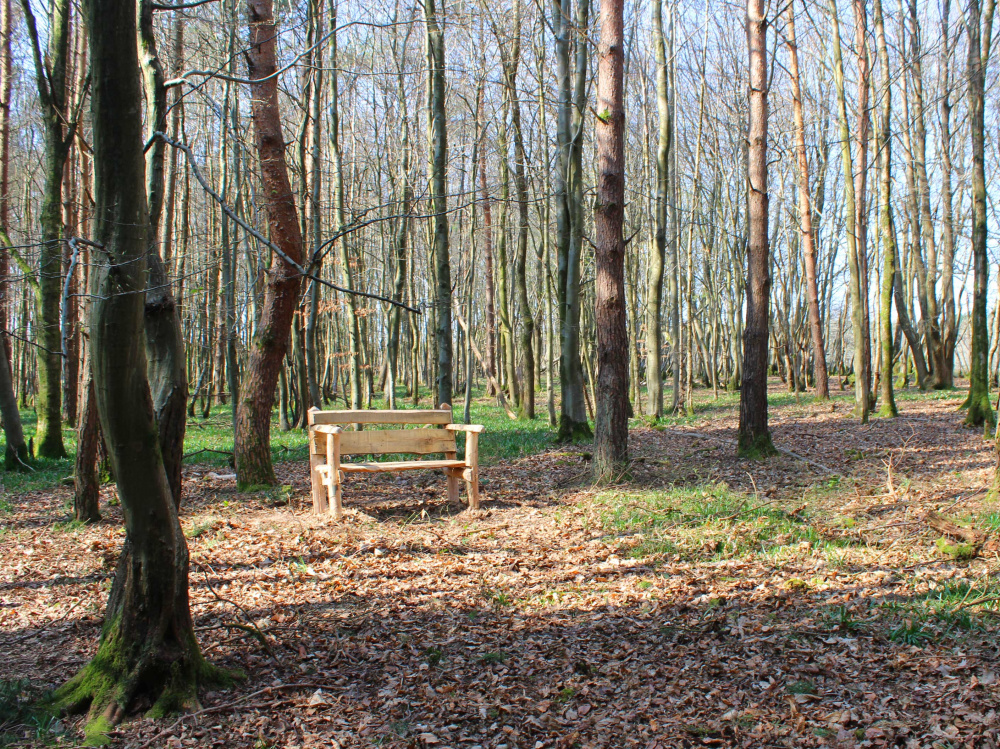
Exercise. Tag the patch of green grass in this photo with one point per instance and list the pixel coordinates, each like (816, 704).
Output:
(697, 520)
(910, 632)
(69, 526)
(498, 656)
(201, 527)
(802, 686)
(22, 713)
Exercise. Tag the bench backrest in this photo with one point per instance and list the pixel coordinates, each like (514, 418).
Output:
(387, 441)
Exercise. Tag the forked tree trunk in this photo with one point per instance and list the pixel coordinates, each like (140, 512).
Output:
(754, 436)
(851, 209)
(612, 412)
(164, 338)
(253, 420)
(148, 648)
(805, 216)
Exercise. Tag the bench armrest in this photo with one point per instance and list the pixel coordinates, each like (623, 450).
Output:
(470, 428)
(328, 429)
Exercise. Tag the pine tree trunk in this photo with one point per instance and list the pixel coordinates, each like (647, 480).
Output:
(754, 436)
(611, 434)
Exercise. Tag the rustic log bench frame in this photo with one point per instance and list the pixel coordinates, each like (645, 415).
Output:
(329, 441)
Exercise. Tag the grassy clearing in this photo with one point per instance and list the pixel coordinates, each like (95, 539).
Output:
(945, 609)
(704, 519)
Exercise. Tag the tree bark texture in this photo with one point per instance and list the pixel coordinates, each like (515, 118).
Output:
(612, 412)
(270, 342)
(754, 436)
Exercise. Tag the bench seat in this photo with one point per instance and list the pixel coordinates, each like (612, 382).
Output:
(329, 441)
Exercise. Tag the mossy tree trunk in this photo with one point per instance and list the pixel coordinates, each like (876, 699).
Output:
(50, 77)
(148, 649)
(979, 25)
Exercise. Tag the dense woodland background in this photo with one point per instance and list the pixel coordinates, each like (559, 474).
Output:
(519, 119)
(575, 218)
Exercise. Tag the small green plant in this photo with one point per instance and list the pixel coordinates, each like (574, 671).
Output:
(400, 727)
(565, 695)
(200, 528)
(498, 656)
(843, 620)
(434, 655)
(910, 633)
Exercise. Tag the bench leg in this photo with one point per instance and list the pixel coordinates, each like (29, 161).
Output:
(336, 495)
(321, 505)
(471, 476)
(453, 475)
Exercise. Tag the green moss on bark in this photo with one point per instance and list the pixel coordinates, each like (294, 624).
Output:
(756, 448)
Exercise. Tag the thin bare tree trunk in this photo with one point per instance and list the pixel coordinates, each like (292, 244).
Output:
(754, 435)
(806, 216)
(437, 151)
(887, 407)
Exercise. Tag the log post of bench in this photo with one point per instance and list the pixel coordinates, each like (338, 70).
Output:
(470, 474)
(319, 497)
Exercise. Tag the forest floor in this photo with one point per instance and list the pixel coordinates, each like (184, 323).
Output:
(707, 601)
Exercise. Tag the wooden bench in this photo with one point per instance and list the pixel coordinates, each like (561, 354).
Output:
(330, 441)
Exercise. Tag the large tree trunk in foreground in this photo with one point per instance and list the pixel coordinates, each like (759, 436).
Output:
(148, 648)
(805, 216)
(611, 435)
(754, 436)
(253, 419)
(979, 25)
